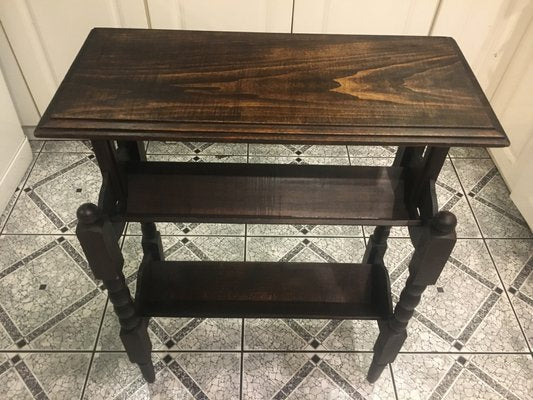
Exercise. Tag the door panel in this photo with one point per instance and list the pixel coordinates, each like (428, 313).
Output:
(488, 33)
(384, 17)
(227, 15)
(513, 105)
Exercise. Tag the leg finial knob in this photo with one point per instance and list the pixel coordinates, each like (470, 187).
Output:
(88, 213)
(444, 222)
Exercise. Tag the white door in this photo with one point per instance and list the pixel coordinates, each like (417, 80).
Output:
(513, 104)
(15, 152)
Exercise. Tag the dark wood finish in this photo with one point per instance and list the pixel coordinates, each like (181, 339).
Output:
(433, 246)
(264, 193)
(264, 87)
(98, 241)
(131, 151)
(254, 290)
(133, 85)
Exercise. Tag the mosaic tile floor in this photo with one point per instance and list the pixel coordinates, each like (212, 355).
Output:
(471, 337)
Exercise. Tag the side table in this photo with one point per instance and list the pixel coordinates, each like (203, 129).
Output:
(127, 86)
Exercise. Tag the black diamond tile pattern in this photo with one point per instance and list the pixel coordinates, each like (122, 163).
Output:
(471, 333)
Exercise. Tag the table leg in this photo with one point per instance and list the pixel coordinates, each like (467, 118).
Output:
(98, 241)
(433, 245)
(151, 241)
(151, 238)
(377, 245)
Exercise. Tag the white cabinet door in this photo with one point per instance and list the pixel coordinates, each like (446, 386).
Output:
(513, 104)
(380, 17)
(15, 153)
(487, 32)
(222, 15)
(46, 35)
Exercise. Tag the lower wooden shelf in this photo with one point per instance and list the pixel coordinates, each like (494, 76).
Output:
(268, 290)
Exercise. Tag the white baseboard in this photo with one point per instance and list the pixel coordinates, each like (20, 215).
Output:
(14, 174)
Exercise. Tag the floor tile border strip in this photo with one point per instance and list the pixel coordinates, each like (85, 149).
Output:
(298, 329)
(4, 367)
(294, 381)
(45, 209)
(186, 380)
(485, 179)
(9, 325)
(446, 382)
(30, 380)
(56, 319)
(401, 267)
(525, 299)
(78, 259)
(321, 253)
(466, 269)
(522, 276)
(327, 330)
(451, 203)
(156, 328)
(432, 326)
(448, 188)
(63, 170)
(482, 375)
(340, 381)
(500, 210)
(187, 329)
(478, 317)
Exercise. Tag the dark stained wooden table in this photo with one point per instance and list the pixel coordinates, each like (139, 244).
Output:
(127, 86)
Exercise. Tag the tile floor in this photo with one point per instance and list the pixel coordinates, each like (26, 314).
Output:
(471, 337)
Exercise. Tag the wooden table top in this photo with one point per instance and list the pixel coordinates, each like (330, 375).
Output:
(273, 88)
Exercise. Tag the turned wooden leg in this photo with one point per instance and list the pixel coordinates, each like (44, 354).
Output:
(99, 243)
(434, 244)
(377, 245)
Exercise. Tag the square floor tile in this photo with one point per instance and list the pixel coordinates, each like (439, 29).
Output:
(343, 250)
(489, 198)
(43, 375)
(310, 376)
(182, 375)
(484, 376)
(69, 146)
(48, 300)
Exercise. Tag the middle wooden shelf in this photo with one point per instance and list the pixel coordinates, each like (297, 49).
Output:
(266, 193)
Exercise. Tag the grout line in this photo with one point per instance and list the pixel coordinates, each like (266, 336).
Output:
(393, 381)
(434, 19)
(147, 14)
(493, 262)
(242, 323)
(292, 16)
(93, 353)
(267, 351)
